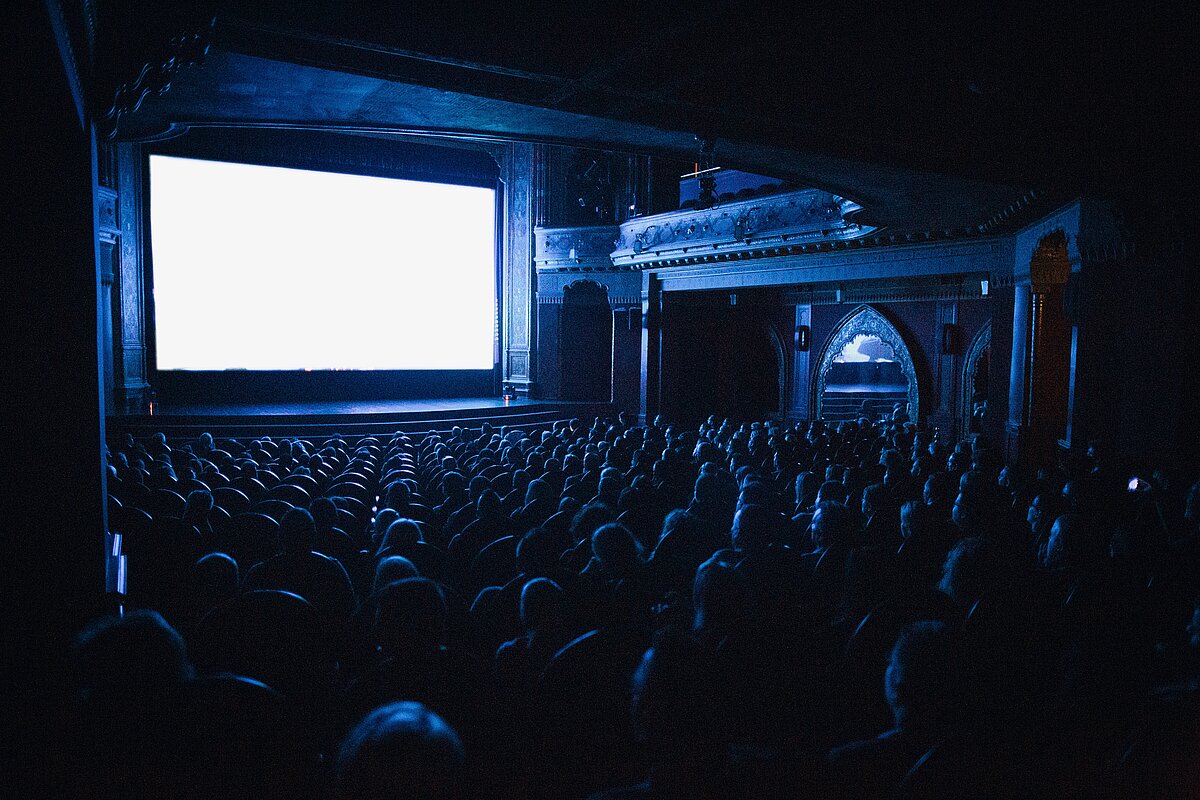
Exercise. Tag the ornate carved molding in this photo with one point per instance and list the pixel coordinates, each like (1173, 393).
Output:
(1011, 211)
(576, 249)
(518, 364)
(617, 302)
(823, 295)
(867, 320)
(107, 216)
(183, 50)
(519, 332)
(747, 228)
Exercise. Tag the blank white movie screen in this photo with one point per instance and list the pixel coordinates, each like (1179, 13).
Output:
(267, 268)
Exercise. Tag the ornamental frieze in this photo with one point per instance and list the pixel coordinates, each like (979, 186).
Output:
(581, 248)
(805, 216)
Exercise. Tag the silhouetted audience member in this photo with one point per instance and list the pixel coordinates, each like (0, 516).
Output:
(298, 568)
(920, 686)
(554, 610)
(399, 750)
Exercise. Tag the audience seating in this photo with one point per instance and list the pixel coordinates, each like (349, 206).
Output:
(663, 614)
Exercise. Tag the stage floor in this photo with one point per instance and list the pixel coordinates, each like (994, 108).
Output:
(372, 417)
(325, 409)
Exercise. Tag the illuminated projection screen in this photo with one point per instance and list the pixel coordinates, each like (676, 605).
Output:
(267, 268)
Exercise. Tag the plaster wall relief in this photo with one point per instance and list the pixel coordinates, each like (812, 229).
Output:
(129, 303)
(795, 218)
(866, 360)
(519, 276)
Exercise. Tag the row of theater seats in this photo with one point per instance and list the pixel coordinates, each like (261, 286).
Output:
(619, 610)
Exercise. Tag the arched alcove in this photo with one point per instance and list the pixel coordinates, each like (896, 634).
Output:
(976, 377)
(585, 342)
(865, 361)
(750, 363)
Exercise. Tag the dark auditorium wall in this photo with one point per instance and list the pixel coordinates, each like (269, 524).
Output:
(54, 479)
(722, 354)
(1139, 342)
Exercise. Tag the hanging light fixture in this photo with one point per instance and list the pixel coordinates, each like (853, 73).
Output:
(705, 174)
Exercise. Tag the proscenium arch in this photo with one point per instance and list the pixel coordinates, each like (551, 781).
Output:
(980, 342)
(866, 320)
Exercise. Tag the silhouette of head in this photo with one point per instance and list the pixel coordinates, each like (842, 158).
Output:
(215, 578)
(672, 702)
(542, 601)
(966, 572)
(588, 519)
(399, 750)
(297, 532)
(756, 527)
(401, 534)
(919, 680)
(392, 569)
(138, 655)
(832, 525)
(716, 595)
(410, 617)
(324, 512)
(873, 498)
(831, 491)
(617, 549)
(1073, 543)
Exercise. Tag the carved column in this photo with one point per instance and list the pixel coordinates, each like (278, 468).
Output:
(651, 346)
(548, 310)
(108, 237)
(541, 193)
(1040, 365)
(132, 385)
(946, 365)
(1017, 406)
(519, 275)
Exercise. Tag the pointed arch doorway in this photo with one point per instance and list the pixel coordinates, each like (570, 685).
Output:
(865, 366)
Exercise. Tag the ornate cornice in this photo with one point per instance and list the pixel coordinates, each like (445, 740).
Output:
(1001, 280)
(1006, 215)
(616, 302)
(183, 50)
(576, 249)
(773, 225)
(855, 295)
